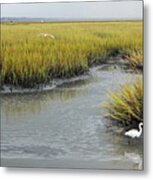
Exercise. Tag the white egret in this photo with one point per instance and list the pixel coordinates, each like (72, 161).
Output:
(134, 133)
(47, 35)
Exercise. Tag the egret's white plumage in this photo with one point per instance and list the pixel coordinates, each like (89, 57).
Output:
(134, 133)
(47, 35)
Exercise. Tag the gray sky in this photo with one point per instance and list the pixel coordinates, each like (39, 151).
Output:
(99, 10)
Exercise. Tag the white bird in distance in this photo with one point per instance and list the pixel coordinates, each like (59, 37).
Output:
(47, 35)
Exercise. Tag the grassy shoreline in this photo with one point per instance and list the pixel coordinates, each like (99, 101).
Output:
(28, 59)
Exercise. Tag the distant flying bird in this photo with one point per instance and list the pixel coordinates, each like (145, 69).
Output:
(134, 133)
(47, 35)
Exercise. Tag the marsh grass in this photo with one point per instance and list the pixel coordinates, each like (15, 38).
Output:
(28, 59)
(126, 105)
(135, 60)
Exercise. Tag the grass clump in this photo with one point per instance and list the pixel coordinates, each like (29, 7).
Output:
(126, 106)
(135, 60)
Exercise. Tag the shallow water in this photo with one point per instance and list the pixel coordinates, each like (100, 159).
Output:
(64, 127)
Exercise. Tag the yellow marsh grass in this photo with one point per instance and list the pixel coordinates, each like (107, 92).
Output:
(126, 105)
(28, 59)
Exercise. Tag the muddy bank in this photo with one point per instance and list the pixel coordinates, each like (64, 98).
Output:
(112, 63)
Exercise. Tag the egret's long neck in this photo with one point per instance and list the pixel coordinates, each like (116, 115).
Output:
(140, 130)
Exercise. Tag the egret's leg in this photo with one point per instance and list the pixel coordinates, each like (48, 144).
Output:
(129, 141)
